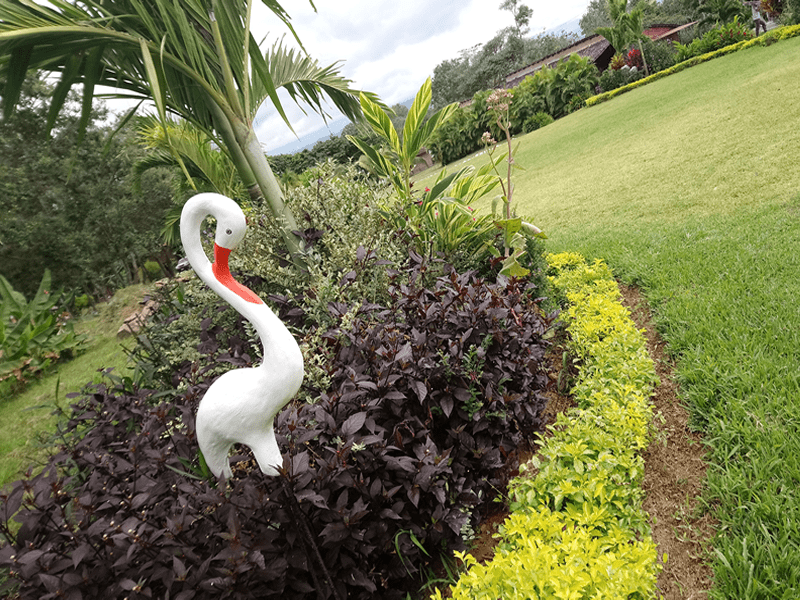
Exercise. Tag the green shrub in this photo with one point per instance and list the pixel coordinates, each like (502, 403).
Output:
(550, 555)
(153, 270)
(537, 121)
(716, 38)
(611, 79)
(577, 528)
(770, 37)
(340, 213)
(32, 334)
(659, 55)
(346, 237)
(82, 301)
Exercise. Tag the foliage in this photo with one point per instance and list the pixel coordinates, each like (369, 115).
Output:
(33, 334)
(627, 26)
(336, 148)
(719, 37)
(209, 70)
(350, 246)
(555, 91)
(577, 528)
(611, 79)
(791, 12)
(559, 560)
(179, 145)
(536, 121)
(660, 54)
(442, 220)
(399, 155)
(716, 12)
(664, 11)
(483, 67)
(573, 80)
(596, 16)
(73, 209)
(781, 33)
(426, 399)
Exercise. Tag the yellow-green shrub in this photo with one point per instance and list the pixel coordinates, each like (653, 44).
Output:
(549, 555)
(577, 528)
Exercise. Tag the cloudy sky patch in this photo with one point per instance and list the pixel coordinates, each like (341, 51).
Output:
(386, 46)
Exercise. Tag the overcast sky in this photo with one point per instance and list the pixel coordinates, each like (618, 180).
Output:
(387, 46)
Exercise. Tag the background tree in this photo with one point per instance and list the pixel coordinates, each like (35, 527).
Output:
(627, 26)
(522, 15)
(713, 12)
(596, 16)
(483, 67)
(73, 209)
(194, 58)
(675, 12)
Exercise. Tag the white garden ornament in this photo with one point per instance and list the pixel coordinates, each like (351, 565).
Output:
(241, 405)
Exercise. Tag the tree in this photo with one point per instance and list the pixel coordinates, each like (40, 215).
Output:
(627, 26)
(713, 12)
(522, 15)
(483, 67)
(193, 58)
(55, 211)
(596, 16)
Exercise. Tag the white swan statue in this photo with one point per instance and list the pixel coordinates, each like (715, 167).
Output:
(241, 405)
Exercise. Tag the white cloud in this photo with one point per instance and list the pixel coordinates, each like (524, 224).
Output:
(388, 46)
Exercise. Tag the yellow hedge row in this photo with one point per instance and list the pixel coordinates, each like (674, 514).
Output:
(577, 529)
(772, 36)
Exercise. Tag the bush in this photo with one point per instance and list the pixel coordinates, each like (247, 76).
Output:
(612, 79)
(577, 527)
(32, 334)
(660, 55)
(716, 38)
(781, 33)
(427, 399)
(536, 121)
(344, 232)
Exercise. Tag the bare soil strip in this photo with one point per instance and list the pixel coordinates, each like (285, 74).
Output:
(675, 472)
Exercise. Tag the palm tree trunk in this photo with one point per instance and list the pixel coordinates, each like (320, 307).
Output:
(259, 180)
(223, 128)
(248, 143)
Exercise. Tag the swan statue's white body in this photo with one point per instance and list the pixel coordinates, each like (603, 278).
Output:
(241, 405)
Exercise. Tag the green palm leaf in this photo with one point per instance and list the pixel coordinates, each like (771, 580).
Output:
(196, 59)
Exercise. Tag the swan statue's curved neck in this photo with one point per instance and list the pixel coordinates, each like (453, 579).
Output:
(230, 231)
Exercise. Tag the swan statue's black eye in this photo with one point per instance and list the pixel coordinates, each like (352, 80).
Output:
(228, 231)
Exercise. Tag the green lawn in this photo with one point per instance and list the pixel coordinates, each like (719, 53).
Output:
(28, 418)
(690, 188)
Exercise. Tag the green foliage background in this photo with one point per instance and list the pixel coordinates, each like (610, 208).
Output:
(73, 210)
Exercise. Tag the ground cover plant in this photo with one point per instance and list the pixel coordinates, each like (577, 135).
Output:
(33, 334)
(29, 416)
(697, 205)
(427, 397)
(577, 528)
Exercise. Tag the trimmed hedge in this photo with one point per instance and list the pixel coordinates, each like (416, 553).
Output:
(780, 33)
(577, 528)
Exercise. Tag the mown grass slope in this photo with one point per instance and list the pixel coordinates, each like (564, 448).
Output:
(29, 417)
(690, 188)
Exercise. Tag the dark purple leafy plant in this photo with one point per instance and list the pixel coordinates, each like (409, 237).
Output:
(428, 399)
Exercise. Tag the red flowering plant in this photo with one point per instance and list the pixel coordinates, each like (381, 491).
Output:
(634, 58)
